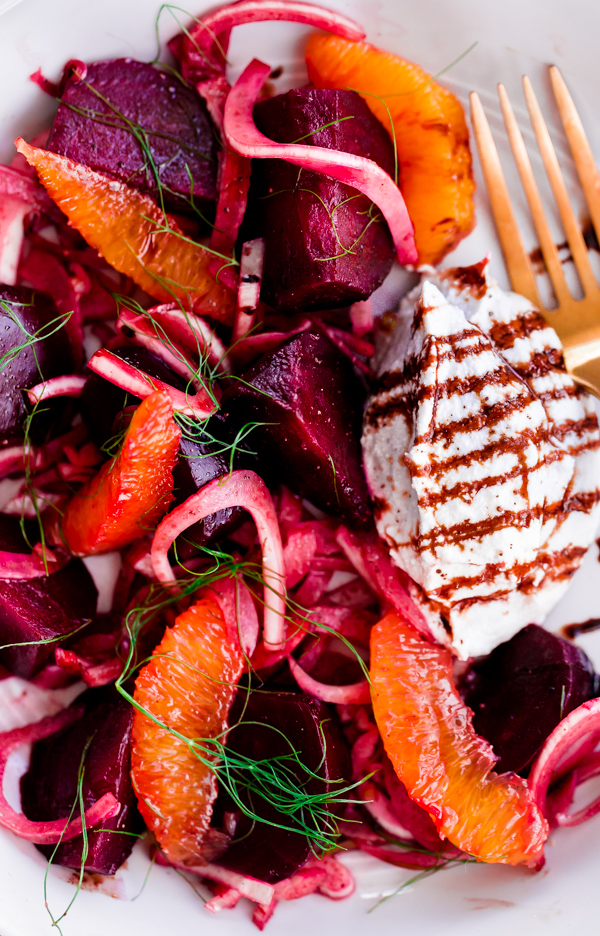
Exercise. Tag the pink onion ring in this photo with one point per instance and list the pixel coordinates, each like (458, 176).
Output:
(13, 182)
(244, 137)
(17, 566)
(135, 381)
(214, 92)
(47, 833)
(17, 457)
(148, 337)
(589, 769)
(238, 489)
(70, 385)
(358, 693)
(258, 891)
(225, 899)
(234, 182)
(379, 807)
(339, 882)
(238, 612)
(582, 721)
(305, 881)
(193, 333)
(200, 48)
(265, 655)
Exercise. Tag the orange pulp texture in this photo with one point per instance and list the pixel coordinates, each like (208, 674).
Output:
(430, 129)
(128, 230)
(131, 492)
(446, 768)
(188, 685)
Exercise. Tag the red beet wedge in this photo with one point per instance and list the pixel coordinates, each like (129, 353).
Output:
(34, 346)
(53, 608)
(523, 689)
(311, 402)
(99, 743)
(141, 126)
(272, 725)
(326, 244)
(202, 460)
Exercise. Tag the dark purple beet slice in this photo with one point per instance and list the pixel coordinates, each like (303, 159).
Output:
(102, 401)
(523, 689)
(309, 393)
(49, 788)
(41, 609)
(325, 247)
(200, 462)
(269, 718)
(25, 313)
(89, 128)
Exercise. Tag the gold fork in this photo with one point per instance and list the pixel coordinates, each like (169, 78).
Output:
(577, 321)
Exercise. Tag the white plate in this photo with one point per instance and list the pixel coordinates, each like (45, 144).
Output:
(513, 37)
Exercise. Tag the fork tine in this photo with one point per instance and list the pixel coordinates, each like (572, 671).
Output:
(549, 251)
(520, 269)
(580, 147)
(571, 227)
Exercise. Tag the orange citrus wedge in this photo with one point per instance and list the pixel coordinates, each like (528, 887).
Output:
(130, 493)
(188, 685)
(430, 129)
(446, 768)
(130, 231)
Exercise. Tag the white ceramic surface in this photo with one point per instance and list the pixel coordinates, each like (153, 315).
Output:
(513, 37)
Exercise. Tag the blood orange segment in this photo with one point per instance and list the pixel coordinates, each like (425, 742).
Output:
(430, 129)
(446, 768)
(188, 685)
(129, 230)
(130, 493)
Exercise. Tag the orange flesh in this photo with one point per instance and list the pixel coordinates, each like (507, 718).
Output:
(431, 135)
(189, 685)
(127, 229)
(131, 492)
(446, 768)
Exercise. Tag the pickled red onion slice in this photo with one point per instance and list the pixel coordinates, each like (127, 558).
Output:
(68, 385)
(243, 136)
(202, 49)
(238, 612)
(135, 381)
(238, 489)
(29, 565)
(47, 833)
(582, 723)
(357, 693)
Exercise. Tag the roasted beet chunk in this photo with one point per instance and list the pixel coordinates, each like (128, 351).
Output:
(102, 401)
(34, 346)
(326, 245)
(55, 606)
(202, 460)
(309, 397)
(49, 789)
(132, 122)
(523, 689)
(273, 724)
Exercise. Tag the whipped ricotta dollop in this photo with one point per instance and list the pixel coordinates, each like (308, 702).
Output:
(483, 458)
